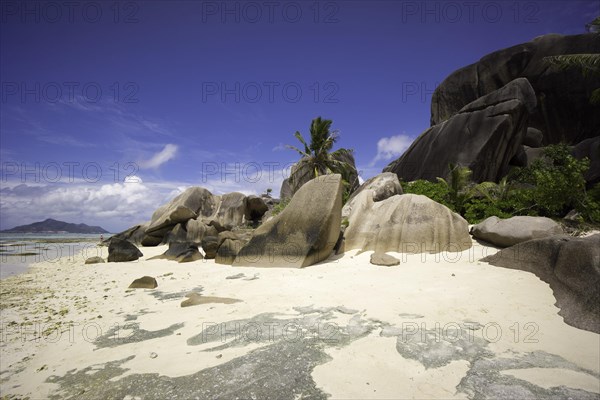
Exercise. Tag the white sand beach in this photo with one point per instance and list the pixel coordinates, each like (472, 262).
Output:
(436, 326)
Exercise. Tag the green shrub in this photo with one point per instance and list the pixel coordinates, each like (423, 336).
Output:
(278, 208)
(435, 191)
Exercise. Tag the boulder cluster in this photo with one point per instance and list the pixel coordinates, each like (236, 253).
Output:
(489, 116)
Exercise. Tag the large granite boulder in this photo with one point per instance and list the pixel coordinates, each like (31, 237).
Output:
(121, 250)
(564, 112)
(484, 135)
(135, 234)
(230, 212)
(196, 230)
(301, 173)
(188, 205)
(304, 233)
(590, 148)
(408, 223)
(383, 186)
(228, 251)
(508, 232)
(571, 266)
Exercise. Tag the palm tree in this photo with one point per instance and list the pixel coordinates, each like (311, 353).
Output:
(317, 158)
(458, 186)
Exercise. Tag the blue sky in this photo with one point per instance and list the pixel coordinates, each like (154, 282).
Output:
(110, 109)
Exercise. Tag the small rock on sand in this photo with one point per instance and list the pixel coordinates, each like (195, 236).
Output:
(94, 260)
(145, 282)
(384, 259)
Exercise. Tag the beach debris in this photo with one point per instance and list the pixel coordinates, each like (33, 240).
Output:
(153, 355)
(384, 259)
(145, 282)
(94, 260)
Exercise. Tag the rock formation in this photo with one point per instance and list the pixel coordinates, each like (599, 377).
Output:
(406, 224)
(120, 250)
(571, 266)
(564, 112)
(484, 135)
(508, 232)
(383, 186)
(304, 233)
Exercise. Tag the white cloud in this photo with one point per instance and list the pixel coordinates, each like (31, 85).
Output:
(391, 147)
(160, 158)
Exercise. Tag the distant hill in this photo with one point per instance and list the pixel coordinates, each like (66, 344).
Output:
(52, 225)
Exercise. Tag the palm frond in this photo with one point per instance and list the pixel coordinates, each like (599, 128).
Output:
(302, 153)
(299, 136)
(588, 63)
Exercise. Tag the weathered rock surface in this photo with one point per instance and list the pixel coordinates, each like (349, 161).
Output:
(188, 205)
(508, 232)
(145, 282)
(94, 260)
(301, 173)
(571, 266)
(120, 250)
(181, 252)
(564, 112)
(304, 233)
(405, 224)
(230, 211)
(384, 259)
(228, 250)
(210, 245)
(255, 208)
(484, 135)
(533, 138)
(383, 186)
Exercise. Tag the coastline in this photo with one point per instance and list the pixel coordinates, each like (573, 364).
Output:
(343, 328)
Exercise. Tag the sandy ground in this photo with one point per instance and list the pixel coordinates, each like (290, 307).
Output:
(436, 326)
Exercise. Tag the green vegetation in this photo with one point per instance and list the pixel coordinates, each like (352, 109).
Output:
(317, 157)
(550, 187)
(278, 208)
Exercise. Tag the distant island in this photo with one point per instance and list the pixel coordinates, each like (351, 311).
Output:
(54, 226)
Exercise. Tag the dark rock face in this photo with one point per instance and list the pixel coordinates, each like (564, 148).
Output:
(564, 112)
(590, 148)
(484, 135)
(571, 266)
(181, 252)
(255, 208)
(304, 233)
(210, 245)
(301, 173)
(533, 138)
(145, 282)
(120, 250)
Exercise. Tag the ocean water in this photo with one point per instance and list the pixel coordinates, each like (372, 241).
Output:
(19, 250)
